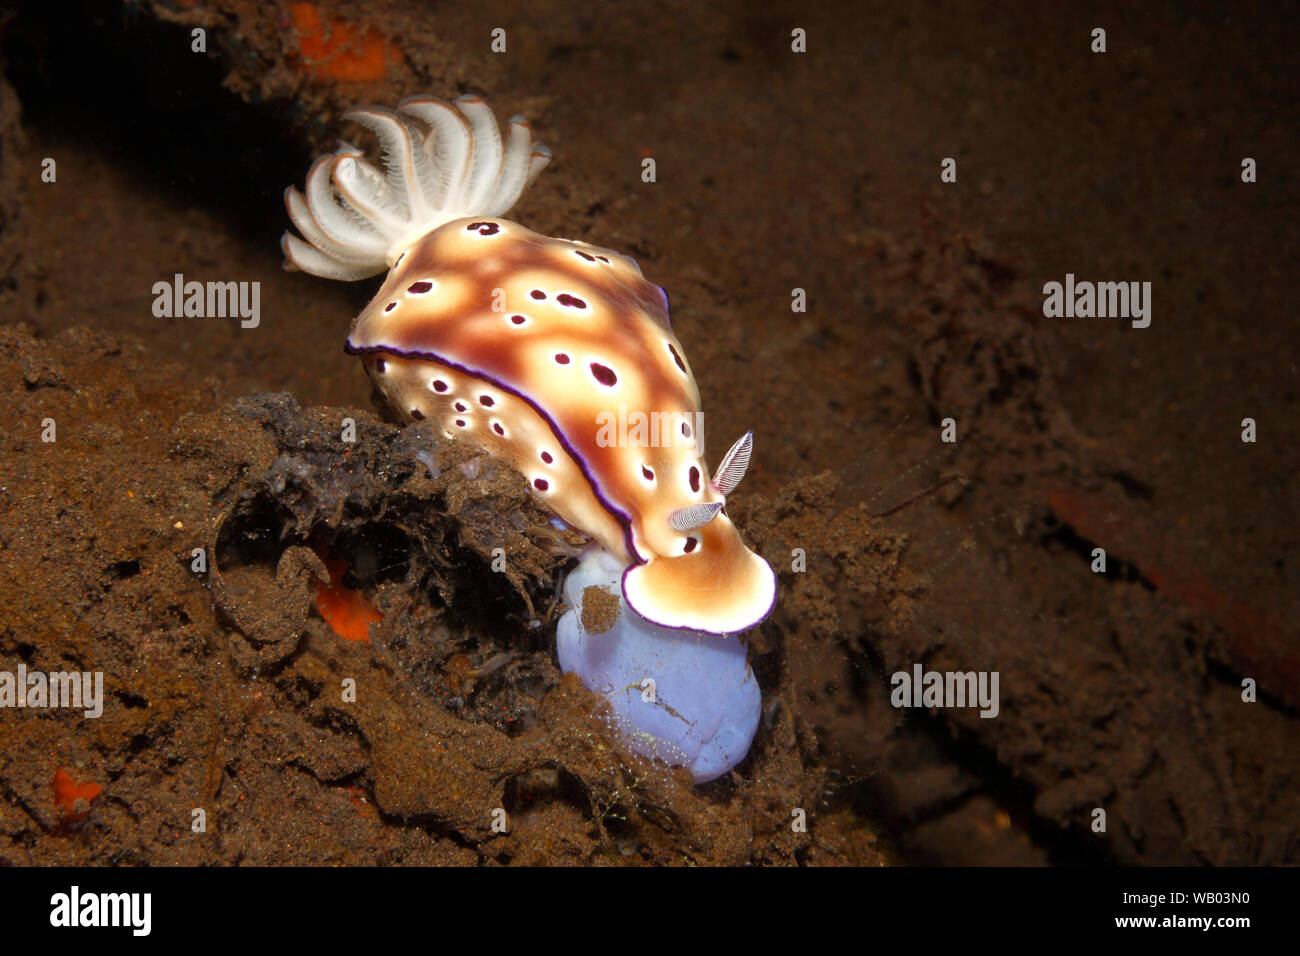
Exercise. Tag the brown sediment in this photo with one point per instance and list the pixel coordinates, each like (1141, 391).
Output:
(599, 610)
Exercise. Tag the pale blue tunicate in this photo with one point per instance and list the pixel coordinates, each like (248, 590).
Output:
(705, 703)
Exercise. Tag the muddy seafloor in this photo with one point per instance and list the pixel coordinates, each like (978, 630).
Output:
(1120, 691)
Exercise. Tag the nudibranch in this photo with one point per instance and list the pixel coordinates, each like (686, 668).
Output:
(557, 356)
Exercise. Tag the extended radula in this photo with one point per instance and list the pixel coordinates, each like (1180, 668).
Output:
(522, 344)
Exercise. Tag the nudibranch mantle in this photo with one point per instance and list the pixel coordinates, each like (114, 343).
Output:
(552, 354)
(582, 337)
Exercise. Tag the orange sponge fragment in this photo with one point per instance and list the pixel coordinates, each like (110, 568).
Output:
(348, 612)
(68, 793)
(338, 50)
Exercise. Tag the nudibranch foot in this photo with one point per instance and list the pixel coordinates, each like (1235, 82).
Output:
(684, 697)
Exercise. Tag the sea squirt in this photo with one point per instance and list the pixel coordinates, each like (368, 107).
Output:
(685, 697)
